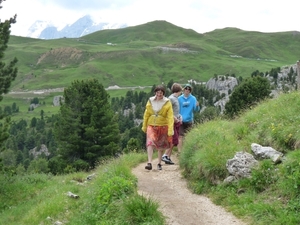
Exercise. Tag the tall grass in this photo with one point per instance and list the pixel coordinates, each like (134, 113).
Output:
(271, 195)
(110, 197)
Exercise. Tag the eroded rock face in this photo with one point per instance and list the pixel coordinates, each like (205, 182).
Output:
(56, 100)
(226, 84)
(222, 84)
(42, 150)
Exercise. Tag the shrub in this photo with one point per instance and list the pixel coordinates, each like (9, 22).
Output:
(113, 189)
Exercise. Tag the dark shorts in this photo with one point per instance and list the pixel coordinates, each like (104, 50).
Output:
(176, 133)
(184, 128)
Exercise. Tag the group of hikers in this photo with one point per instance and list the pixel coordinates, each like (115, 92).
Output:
(166, 120)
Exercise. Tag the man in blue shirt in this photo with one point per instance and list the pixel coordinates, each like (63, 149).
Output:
(188, 105)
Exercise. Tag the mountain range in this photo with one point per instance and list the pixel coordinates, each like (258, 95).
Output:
(83, 26)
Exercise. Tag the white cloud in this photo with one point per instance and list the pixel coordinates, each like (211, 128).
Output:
(199, 15)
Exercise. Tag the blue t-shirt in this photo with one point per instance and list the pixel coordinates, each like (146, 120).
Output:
(187, 107)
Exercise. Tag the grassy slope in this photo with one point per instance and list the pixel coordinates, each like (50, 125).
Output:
(271, 196)
(110, 197)
(135, 60)
(135, 56)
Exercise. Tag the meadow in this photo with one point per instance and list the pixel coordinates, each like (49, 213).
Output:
(143, 56)
(148, 54)
(270, 196)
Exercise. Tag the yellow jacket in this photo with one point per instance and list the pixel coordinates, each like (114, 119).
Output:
(158, 113)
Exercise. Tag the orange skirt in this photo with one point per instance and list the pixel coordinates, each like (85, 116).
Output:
(157, 136)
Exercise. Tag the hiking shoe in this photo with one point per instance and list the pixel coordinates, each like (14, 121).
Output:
(170, 162)
(159, 167)
(165, 159)
(149, 166)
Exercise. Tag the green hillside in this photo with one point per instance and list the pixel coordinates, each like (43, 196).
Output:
(270, 196)
(148, 54)
(142, 56)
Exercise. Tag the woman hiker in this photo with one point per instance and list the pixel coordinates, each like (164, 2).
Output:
(158, 125)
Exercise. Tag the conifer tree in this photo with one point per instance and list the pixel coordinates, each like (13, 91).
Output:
(247, 94)
(8, 73)
(86, 129)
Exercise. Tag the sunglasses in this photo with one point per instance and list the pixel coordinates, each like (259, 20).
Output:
(188, 89)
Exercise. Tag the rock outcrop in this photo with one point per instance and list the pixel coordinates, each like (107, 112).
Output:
(222, 84)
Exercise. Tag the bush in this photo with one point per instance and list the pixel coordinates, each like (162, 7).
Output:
(113, 189)
(140, 210)
(250, 92)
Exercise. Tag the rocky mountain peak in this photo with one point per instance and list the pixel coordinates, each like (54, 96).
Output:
(83, 26)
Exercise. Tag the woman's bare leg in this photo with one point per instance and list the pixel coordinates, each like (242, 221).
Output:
(169, 151)
(150, 153)
(160, 153)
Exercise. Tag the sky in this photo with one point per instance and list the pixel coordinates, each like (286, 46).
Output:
(200, 15)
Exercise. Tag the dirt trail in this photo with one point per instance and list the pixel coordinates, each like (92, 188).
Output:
(177, 202)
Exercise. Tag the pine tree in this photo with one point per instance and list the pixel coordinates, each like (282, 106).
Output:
(247, 94)
(86, 129)
(8, 73)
